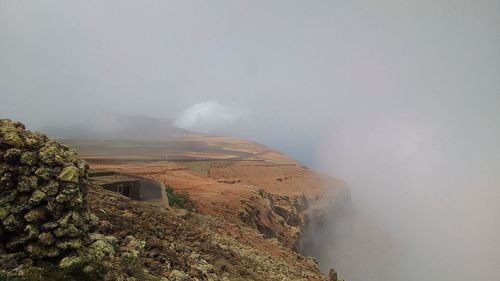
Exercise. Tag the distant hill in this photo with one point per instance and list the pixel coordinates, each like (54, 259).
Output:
(120, 127)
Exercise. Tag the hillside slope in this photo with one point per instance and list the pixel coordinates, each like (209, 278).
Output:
(185, 246)
(234, 179)
(56, 225)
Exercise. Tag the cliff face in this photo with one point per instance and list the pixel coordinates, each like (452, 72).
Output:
(239, 181)
(192, 246)
(279, 217)
(56, 226)
(291, 196)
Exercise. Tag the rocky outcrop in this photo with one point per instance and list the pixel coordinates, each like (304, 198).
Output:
(192, 246)
(43, 212)
(48, 230)
(45, 223)
(276, 216)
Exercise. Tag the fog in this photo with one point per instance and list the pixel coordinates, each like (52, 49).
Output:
(427, 201)
(400, 99)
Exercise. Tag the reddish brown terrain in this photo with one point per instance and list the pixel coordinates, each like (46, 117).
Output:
(243, 221)
(240, 182)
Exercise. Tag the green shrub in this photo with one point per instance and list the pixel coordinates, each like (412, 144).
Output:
(179, 199)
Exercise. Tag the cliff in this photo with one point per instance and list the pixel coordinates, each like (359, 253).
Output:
(238, 180)
(57, 226)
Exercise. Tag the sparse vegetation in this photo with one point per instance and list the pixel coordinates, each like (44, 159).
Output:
(202, 168)
(179, 199)
(199, 167)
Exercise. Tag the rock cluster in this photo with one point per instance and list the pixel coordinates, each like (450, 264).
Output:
(43, 210)
(276, 216)
(182, 246)
(45, 227)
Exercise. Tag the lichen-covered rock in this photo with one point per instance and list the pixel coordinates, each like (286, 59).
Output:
(73, 244)
(31, 231)
(10, 132)
(43, 188)
(27, 183)
(36, 250)
(11, 261)
(28, 158)
(12, 155)
(67, 231)
(177, 275)
(4, 211)
(37, 196)
(7, 196)
(46, 238)
(100, 249)
(44, 173)
(36, 215)
(71, 261)
(69, 174)
(51, 188)
(12, 223)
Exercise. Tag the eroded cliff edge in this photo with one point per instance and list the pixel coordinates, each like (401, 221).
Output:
(81, 231)
(238, 180)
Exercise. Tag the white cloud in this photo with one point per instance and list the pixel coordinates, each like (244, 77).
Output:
(208, 116)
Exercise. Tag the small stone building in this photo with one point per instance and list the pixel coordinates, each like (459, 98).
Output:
(134, 187)
(123, 184)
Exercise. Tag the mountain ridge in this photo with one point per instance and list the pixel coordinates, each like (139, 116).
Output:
(118, 126)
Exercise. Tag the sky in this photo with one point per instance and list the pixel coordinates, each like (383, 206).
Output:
(400, 99)
(291, 70)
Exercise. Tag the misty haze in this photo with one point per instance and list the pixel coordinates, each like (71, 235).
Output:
(250, 140)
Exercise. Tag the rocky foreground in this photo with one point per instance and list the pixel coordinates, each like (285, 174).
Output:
(56, 226)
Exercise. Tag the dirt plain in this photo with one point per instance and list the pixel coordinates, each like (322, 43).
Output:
(238, 182)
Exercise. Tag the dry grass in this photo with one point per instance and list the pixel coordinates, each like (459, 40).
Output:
(202, 168)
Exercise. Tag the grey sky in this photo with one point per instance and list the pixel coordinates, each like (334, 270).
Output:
(372, 83)
(295, 67)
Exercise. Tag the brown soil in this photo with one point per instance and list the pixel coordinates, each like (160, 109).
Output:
(205, 247)
(252, 189)
(250, 211)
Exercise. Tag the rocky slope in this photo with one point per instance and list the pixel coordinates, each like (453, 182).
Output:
(55, 226)
(272, 195)
(238, 180)
(184, 246)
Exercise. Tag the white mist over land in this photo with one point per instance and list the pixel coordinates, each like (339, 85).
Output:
(208, 116)
(400, 99)
(434, 192)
